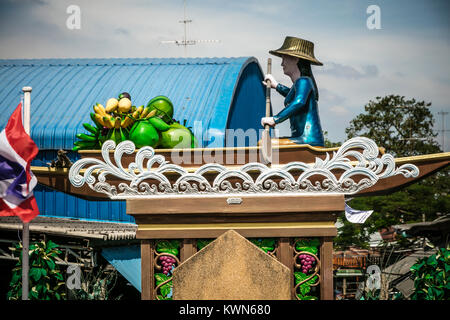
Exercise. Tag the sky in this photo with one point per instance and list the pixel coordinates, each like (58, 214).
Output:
(408, 55)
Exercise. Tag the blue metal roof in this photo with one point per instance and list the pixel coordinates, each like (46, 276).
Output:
(221, 92)
(64, 90)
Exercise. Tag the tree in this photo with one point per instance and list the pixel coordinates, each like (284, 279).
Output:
(404, 128)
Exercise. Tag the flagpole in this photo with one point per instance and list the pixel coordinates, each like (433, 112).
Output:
(25, 225)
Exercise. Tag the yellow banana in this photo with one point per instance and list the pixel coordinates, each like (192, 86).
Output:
(98, 108)
(109, 122)
(126, 122)
(99, 119)
(117, 123)
(145, 112)
(137, 113)
(151, 114)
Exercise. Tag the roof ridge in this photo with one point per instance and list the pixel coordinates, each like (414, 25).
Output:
(119, 61)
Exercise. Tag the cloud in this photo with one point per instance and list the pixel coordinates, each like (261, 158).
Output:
(339, 110)
(344, 71)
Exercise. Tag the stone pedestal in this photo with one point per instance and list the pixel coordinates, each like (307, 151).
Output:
(232, 268)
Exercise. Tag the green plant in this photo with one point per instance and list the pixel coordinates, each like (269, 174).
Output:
(45, 279)
(431, 276)
(97, 286)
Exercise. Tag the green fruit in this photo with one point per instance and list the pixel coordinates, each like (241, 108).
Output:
(159, 124)
(164, 107)
(99, 126)
(86, 137)
(90, 128)
(178, 136)
(143, 133)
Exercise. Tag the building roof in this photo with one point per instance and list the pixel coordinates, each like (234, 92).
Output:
(107, 231)
(64, 91)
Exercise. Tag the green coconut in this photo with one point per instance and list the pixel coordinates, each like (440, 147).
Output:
(178, 136)
(163, 107)
(143, 133)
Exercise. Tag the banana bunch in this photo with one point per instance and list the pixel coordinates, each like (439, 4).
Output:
(93, 139)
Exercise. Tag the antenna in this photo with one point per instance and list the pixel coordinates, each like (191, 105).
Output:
(185, 42)
(443, 131)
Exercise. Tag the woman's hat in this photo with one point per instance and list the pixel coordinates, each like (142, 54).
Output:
(299, 48)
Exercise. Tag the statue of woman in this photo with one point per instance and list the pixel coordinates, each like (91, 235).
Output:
(301, 99)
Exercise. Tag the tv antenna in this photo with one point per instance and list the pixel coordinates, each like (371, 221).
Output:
(443, 131)
(185, 42)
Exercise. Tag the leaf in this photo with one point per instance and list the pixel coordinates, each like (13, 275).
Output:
(305, 287)
(201, 243)
(35, 273)
(308, 245)
(265, 244)
(167, 246)
(160, 277)
(51, 264)
(51, 245)
(58, 276)
(431, 261)
(166, 288)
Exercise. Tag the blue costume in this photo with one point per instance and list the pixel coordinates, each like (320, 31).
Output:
(302, 110)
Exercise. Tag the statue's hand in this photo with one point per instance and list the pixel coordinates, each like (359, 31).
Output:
(273, 82)
(268, 120)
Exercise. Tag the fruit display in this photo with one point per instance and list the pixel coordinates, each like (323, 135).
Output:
(151, 125)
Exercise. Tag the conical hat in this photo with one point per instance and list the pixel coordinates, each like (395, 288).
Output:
(299, 48)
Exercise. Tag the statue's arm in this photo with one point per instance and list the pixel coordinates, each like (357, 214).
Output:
(303, 90)
(283, 90)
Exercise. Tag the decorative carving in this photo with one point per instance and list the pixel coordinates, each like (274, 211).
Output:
(348, 171)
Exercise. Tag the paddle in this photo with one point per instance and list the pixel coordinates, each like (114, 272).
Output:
(266, 141)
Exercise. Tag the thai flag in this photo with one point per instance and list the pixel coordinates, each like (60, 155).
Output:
(16, 179)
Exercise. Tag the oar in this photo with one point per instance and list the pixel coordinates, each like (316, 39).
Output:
(266, 141)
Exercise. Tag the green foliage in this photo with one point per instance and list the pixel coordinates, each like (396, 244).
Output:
(328, 143)
(352, 234)
(201, 243)
(432, 277)
(307, 244)
(265, 244)
(166, 288)
(392, 121)
(45, 279)
(305, 288)
(168, 246)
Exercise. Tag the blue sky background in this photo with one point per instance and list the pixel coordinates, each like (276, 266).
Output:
(409, 55)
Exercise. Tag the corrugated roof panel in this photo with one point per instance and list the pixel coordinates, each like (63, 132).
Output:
(64, 90)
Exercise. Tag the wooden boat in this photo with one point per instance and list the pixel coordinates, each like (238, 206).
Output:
(232, 158)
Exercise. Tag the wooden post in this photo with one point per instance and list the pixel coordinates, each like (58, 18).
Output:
(285, 256)
(147, 270)
(188, 249)
(326, 259)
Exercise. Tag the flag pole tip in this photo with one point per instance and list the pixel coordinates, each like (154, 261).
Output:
(26, 89)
